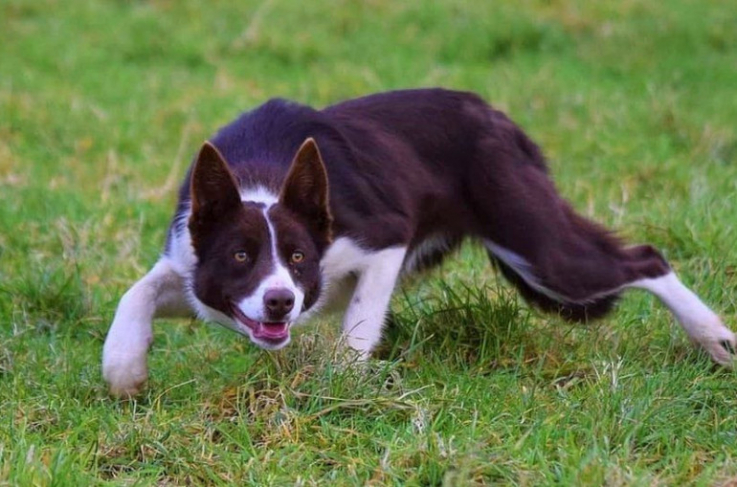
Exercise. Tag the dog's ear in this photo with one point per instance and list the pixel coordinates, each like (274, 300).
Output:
(213, 189)
(305, 191)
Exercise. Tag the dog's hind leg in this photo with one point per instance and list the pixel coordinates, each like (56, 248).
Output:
(701, 324)
(160, 293)
(639, 267)
(563, 262)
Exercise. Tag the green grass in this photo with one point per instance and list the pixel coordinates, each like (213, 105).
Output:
(102, 104)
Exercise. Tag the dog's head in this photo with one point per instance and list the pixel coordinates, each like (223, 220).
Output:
(258, 263)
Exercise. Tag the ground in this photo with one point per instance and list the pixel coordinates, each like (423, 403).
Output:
(102, 105)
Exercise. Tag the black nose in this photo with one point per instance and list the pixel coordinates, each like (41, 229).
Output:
(278, 302)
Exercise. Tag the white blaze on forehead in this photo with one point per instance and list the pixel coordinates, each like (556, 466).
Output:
(280, 278)
(259, 194)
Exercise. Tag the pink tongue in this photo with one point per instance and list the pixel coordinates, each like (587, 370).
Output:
(273, 330)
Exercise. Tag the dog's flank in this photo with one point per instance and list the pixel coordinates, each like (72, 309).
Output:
(269, 227)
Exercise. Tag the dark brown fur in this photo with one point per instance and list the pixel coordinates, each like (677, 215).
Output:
(403, 167)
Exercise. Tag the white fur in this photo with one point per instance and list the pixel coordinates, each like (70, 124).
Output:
(518, 263)
(181, 253)
(259, 194)
(159, 293)
(377, 273)
(343, 257)
(701, 324)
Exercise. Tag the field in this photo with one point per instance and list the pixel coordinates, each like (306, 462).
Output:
(103, 104)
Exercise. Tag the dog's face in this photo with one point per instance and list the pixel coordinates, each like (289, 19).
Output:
(258, 264)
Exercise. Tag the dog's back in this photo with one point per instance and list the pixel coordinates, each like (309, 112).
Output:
(401, 165)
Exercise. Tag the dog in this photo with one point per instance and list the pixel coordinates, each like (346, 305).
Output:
(287, 205)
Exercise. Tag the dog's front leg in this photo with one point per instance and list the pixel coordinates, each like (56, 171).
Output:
(159, 293)
(364, 320)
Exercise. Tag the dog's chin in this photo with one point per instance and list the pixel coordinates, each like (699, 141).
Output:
(267, 335)
(270, 345)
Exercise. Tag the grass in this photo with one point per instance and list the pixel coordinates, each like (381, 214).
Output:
(102, 104)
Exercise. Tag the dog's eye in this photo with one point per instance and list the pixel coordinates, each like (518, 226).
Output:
(297, 257)
(240, 256)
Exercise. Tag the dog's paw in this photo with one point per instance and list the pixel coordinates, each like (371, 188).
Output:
(720, 343)
(127, 390)
(126, 374)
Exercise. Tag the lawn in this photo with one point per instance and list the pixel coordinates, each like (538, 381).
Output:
(103, 104)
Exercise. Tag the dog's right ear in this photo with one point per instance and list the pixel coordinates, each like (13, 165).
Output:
(213, 188)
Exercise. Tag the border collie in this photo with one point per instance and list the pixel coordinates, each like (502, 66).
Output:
(288, 204)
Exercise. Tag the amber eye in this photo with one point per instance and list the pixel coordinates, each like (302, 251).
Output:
(240, 256)
(297, 257)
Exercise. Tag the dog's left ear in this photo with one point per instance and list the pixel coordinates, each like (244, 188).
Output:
(305, 191)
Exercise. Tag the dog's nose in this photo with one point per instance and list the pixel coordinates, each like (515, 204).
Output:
(278, 302)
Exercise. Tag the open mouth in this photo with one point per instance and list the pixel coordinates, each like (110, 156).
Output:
(272, 332)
